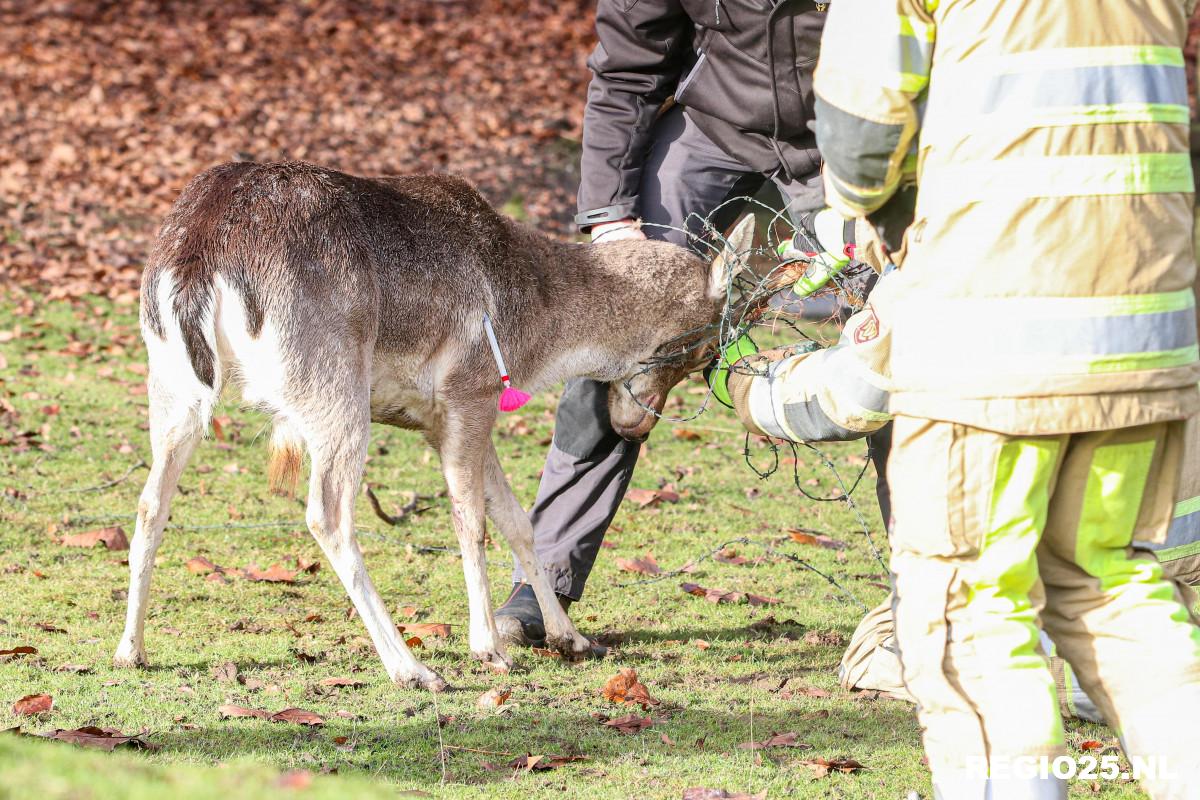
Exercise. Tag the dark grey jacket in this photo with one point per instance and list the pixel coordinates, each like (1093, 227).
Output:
(741, 68)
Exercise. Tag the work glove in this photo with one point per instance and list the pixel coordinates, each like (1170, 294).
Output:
(825, 240)
(754, 367)
(618, 230)
(716, 374)
(825, 244)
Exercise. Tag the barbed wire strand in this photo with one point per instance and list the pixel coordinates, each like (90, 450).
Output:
(746, 296)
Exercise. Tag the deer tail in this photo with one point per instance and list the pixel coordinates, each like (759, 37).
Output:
(286, 456)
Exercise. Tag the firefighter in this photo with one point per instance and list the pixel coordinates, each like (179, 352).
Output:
(1037, 348)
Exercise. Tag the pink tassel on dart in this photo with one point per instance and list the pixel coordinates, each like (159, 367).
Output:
(510, 399)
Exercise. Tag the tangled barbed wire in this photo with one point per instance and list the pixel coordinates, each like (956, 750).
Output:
(761, 273)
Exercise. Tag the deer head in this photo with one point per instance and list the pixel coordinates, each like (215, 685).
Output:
(636, 401)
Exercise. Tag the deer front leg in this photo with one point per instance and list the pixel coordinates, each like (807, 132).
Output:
(463, 448)
(513, 522)
(338, 453)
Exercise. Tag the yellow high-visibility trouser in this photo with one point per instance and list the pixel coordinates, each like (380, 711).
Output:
(995, 535)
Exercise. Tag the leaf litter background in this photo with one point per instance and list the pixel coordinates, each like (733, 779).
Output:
(108, 108)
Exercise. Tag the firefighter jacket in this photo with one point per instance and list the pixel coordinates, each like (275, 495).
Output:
(1045, 285)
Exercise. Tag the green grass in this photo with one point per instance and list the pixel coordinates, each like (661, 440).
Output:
(87, 361)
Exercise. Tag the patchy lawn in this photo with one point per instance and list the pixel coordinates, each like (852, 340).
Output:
(72, 441)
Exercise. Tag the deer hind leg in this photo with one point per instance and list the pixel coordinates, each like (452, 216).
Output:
(513, 522)
(463, 446)
(179, 411)
(337, 436)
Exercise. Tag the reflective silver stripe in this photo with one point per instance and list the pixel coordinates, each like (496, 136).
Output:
(912, 56)
(1069, 335)
(845, 382)
(1087, 86)
(762, 403)
(808, 422)
(1135, 333)
(1183, 530)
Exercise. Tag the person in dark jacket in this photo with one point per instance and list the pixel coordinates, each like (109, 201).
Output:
(692, 103)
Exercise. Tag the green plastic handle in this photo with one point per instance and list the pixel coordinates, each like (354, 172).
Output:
(719, 378)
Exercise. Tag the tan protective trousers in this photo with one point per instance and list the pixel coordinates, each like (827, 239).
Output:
(996, 535)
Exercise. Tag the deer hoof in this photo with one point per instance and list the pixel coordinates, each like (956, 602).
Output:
(436, 684)
(130, 658)
(575, 647)
(430, 681)
(498, 662)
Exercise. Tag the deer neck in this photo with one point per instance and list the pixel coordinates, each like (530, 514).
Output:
(576, 317)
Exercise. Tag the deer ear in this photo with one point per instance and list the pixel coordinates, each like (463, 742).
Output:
(732, 258)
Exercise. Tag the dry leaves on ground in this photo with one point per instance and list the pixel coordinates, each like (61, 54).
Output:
(493, 698)
(790, 739)
(276, 573)
(805, 536)
(32, 705)
(439, 630)
(624, 687)
(17, 652)
(697, 793)
(112, 538)
(227, 672)
(108, 121)
(722, 596)
(542, 763)
(102, 738)
(646, 565)
(820, 767)
(297, 716)
(648, 498)
(630, 723)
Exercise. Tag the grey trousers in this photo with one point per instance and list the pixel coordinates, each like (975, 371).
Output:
(588, 468)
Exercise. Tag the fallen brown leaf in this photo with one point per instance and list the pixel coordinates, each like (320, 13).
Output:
(32, 705)
(630, 723)
(820, 767)
(310, 567)
(624, 687)
(647, 498)
(78, 669)
(426, 629)
(789, 739)
(819, 539)
(697, 793)
(493, 698)
(646, 565)
(276, 573)
(49, 627)
(712, 595)
(297, 716)
(294, 779)
(542, 763)
(230, 711)
(103, 738)
(227, 672)
(21, 650)
(200, 565)
(112, 538)
(353, 683)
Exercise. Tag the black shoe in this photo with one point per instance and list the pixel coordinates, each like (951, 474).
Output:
(519, 621)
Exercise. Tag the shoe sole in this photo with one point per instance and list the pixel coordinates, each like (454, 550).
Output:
(512, 633)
